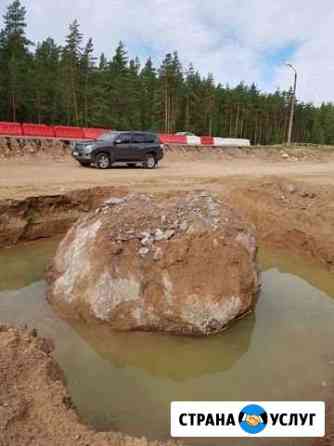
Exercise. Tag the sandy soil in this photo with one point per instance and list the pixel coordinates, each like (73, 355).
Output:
(22, 178)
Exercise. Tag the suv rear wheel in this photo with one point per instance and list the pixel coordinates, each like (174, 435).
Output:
(102, 161)
(150, 161)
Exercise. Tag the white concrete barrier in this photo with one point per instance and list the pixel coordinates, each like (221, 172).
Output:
(194, 140)
(231, 142)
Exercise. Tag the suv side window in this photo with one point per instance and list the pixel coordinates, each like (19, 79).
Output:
(125, 138)
(138, 138)
(150, 138)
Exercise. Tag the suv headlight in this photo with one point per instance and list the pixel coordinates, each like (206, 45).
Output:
(89, 148)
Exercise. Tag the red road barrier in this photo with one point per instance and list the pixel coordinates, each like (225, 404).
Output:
(38, 130)
(207, 140)
(10, 128)
(93, 133)
(62, 131)
(173, 139)
(77, 133)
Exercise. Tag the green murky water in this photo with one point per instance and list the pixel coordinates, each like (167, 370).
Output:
(126, 381)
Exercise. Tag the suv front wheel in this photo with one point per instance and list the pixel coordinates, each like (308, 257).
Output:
(102, 161)
(150, 161)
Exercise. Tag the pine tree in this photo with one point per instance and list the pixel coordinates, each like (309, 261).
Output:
(103, 63)
(149, 103)
(46, 82)
(117, 86)
(87, 71)
(192, 100)
(15, 60)
(209, 104)
(171, 79)
(71, 57)
(119, 62)
(133, 92)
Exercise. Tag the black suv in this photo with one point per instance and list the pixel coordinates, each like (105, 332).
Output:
(120, 147)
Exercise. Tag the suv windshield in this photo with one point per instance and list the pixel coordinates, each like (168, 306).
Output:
(107, 136)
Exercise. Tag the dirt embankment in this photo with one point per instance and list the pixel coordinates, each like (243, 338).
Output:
(45, 216)
(290, 215)
(30, 148)
(35, 406)
(280, 152)
(25, 148)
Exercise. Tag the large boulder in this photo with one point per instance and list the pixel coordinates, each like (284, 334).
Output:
(184, 264)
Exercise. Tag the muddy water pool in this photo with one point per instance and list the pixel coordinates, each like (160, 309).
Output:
(125, 381)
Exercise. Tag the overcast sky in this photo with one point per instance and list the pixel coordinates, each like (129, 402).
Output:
(236, 40)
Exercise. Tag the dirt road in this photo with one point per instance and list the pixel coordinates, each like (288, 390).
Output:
(22, 178)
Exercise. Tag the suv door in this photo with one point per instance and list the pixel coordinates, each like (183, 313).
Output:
(138, 146)
(151, 143)
(122, 148)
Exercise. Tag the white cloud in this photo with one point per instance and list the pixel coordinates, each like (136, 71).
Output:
(230, 38)
(315, 60)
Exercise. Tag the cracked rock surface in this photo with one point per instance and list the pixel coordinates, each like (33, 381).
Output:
(182, 264)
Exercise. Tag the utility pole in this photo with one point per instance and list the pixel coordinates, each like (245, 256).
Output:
(293, 102)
